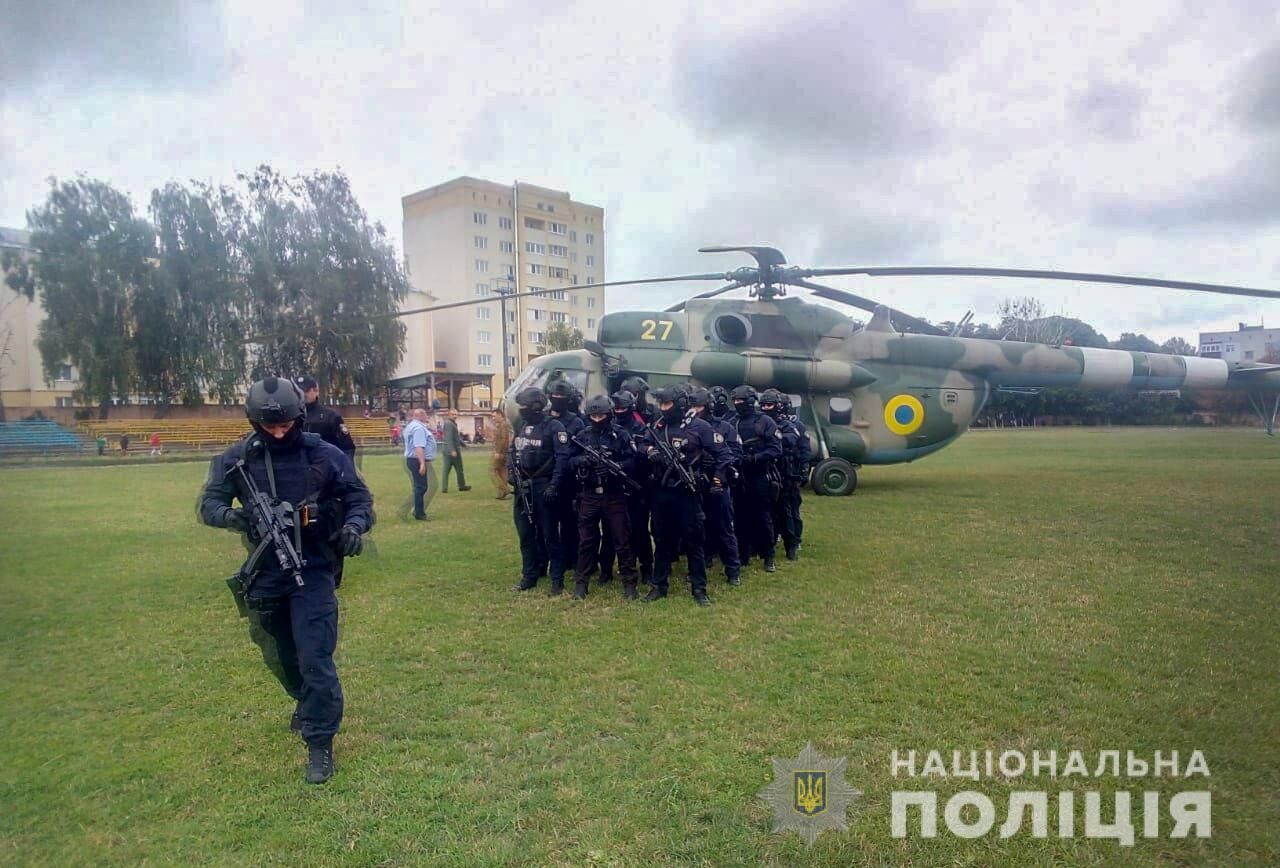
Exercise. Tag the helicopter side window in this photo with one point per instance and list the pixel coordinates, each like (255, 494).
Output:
(797, 401)
(840, 411)
(532, 378)
(578, 379)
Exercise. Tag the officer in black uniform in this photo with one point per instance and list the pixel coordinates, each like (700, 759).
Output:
(328, 423)
(325, 421)
(538, 464)
(638, 387)
(722, 540)
(563, 397)
(680, 451)
(752, 501)
(638, 502)
(798, 477)
(771, 404)
(294, 619)
(720, 407)
(604, 495)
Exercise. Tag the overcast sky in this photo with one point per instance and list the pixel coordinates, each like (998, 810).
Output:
(1136, 138)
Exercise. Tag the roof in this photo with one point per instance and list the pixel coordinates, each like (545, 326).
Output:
(17, 238)
(415, 380)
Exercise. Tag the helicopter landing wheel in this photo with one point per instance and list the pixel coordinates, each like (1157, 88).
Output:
(834, 477)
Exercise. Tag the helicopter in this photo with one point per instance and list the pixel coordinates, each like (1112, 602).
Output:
(873, 394)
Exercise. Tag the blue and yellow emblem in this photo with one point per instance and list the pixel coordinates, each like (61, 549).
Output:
(903, 414)
(810, 792)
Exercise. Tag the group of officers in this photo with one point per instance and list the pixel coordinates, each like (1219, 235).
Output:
(701, 473)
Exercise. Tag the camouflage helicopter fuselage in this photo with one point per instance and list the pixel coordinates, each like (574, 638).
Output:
(869, 395)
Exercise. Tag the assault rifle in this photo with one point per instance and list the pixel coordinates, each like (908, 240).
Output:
(272, 524)
(610, 465)
(522, 484)
(673, 462)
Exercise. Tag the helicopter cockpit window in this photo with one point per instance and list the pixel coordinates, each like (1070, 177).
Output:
(578, 379)
(533, 377)
(840, 411)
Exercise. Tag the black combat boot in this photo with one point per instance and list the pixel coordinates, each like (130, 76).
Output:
(793, 552)
(733, 578)
(646, 574)
(557, 588)
(606, 576)
(579, 589)
(295, 722)
(769, 565)
(655, 593)
(526, 584)
(700, 597)
(319, 763)
(629, 589)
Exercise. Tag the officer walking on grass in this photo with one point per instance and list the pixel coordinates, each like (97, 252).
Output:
(293, 613)
(452, 454)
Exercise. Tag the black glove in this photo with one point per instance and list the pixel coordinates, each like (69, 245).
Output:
(350, 541)
(717, 487)
(237, 520)
(654, 455)
(550, 493)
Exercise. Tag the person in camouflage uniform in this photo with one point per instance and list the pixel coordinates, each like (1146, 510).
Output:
(498, 463)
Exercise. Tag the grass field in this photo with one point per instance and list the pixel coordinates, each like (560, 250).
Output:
(1022, 590)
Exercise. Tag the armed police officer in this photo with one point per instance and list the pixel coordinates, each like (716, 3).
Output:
(722, 540)
(771, 405)
(639, 387)
(325, 421)
(638, 499)
(311, 507)
(752, 497)
(680, 451)
(796, 477)
(603, 462)
(537, 467)
(563, 398)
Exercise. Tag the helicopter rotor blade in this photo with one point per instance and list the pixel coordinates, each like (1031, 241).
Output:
(712, 294)
(1084, 277)
(849, 298)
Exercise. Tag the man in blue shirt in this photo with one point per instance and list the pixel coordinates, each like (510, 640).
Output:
(419, 452)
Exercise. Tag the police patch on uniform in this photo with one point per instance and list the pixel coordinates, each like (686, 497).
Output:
(562, 437)
(342, 428)
(718, 437)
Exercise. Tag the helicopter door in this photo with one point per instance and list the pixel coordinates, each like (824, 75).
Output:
(807, 413)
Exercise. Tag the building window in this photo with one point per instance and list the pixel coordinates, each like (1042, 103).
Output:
(511, 316)
(535, 268)
(483, 290)
(573, 235)
(509, 271)
(537, 315)
(512, 361)
(556, 228)
(591, 260)
(484, 360)
(559, 250)
(573, 299)
(482, 243)
(591, 323)
(559, 273)
(591, 239)
(573, 278)
(64, 372)
(1248, 355)
(506, 247)
(480, 218)
(591, 302)
(504, 222)
(535, 247)
(573, 257)
(482, 266)
(557, 295)
(536, 337)
(557, 316)
(63, 402)
(482, 337)
(483, 313)
(574, 322)
(511, 338)
(537, 290)
(591, 279)
(534, 223)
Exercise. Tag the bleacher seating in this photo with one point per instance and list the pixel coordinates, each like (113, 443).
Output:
(37, 437)
(185, 434)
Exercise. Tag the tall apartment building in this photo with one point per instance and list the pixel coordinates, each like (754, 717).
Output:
(469, 238)
(23, 387)
(1248, 344)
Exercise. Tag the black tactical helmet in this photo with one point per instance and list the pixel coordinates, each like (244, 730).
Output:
(531, 399)
(561, 394)
(771, 396)
(624, 400)
(785, 403)
(719, 396)
(635, 385)
(598, 404)
(273, 401)
(745, 394)
(674, 394)
(700, 397)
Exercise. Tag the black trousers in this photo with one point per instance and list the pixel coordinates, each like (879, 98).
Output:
(722, 537)
(421, 486)
(297, 630)
(753, 516)
(539, 535)
(677, 517)
(786, 515)
(566, 511)
(610, 512)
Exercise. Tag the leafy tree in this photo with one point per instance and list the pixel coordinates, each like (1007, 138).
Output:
(323, 283)
(1177, 347)
(94, 267)
(560, 337)
(1135, 343)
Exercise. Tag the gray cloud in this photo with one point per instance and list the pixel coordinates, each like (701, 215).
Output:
(1256, 103)
(152, 44)
(1246, 195)
(853, 78)
(1109, 109)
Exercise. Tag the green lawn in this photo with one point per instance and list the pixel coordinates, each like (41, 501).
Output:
(1032, 590)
